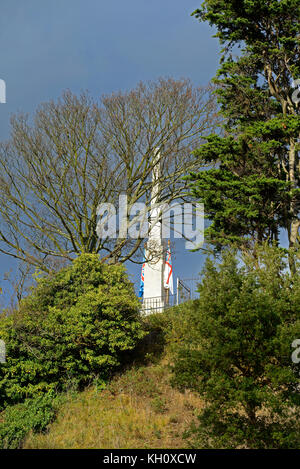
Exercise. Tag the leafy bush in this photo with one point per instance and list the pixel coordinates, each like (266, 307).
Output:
(73, 329)
(33, 415)
(170, 328)
(238, 354)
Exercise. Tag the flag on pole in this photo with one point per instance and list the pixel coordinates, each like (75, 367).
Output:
(141, 292)
(168, 272)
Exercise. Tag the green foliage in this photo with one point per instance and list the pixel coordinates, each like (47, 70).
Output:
(72, 330)
(255, 21)
(238, 353)
(173, 326)
(252, 188)
(241, 208)
(33, 415)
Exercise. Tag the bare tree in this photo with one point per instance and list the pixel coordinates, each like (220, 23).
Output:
(16, 286)
(79, 152)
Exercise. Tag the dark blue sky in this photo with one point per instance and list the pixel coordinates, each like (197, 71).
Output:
(49, 46)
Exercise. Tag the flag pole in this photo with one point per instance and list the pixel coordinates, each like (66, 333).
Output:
(168, 289)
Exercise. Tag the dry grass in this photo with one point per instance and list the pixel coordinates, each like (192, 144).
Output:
(139, 409)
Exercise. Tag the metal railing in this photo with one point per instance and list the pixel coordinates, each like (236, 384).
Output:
(186, 290)
(157, 303)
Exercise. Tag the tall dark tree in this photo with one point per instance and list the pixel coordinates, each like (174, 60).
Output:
(252, 187)
(236, 353)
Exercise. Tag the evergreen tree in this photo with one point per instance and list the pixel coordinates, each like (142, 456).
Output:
(237, 353)
(252, 187)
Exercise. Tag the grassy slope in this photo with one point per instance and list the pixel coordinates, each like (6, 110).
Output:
(139, 409)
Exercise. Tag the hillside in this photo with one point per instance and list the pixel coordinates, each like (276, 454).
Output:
(232, 346)
(138, 409)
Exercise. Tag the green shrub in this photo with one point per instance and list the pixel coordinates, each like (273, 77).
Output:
(238, 354)
(73, 329)
(33, 415)
(172, 327)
